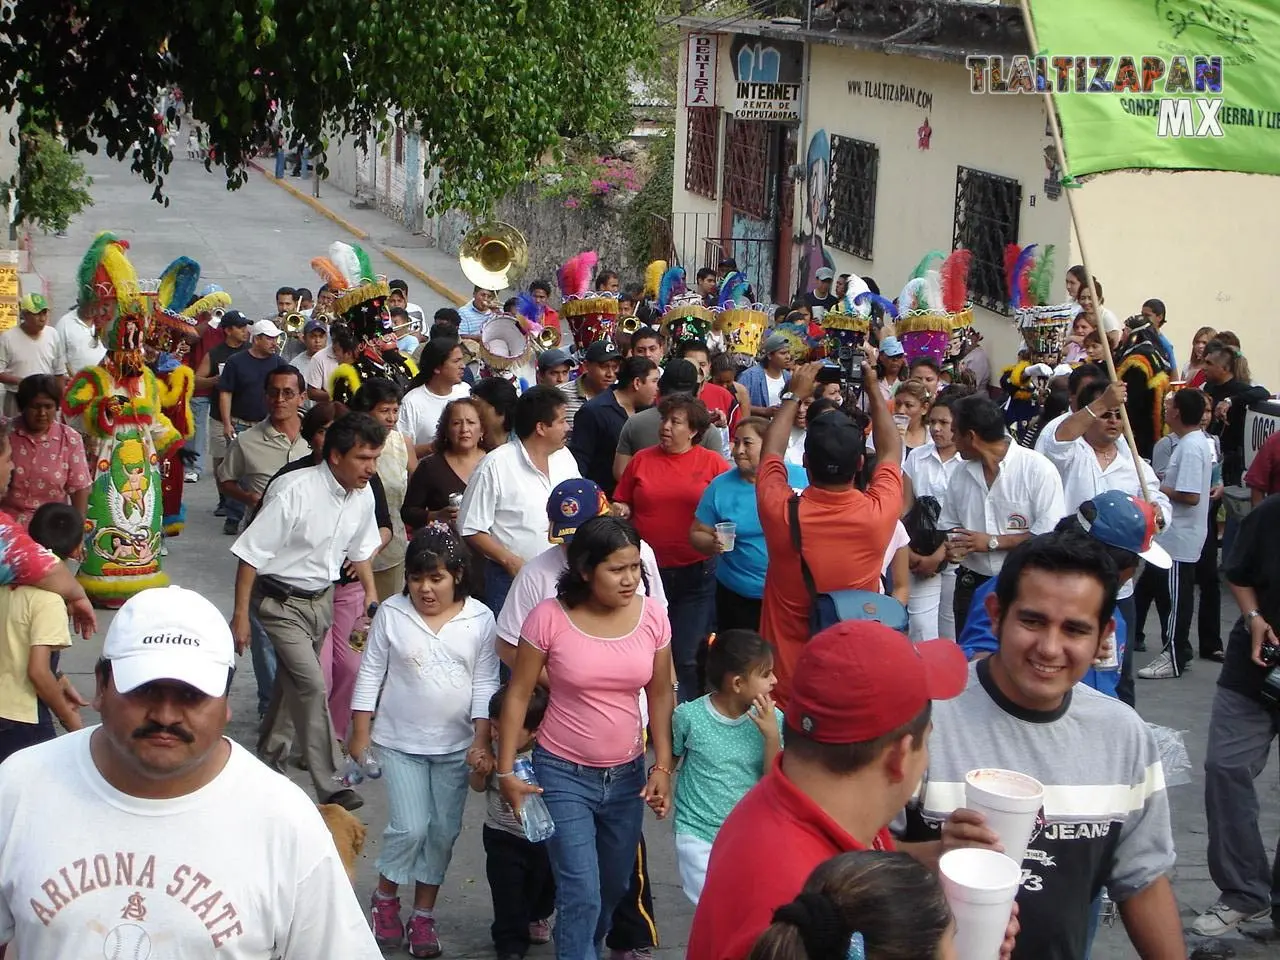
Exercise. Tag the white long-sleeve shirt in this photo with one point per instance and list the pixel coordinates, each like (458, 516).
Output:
(433, 684)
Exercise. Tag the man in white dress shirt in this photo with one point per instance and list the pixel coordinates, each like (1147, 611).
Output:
(1090, 453)
(80, 343)
(311, 522)
(172, 840)
(504, 511)
(1000, 497)
(1079, 378)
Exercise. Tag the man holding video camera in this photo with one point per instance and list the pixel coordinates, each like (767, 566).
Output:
(1242, 726)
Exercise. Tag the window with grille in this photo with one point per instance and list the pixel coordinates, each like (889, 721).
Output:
(746, 178)
(987, 209)
(855, 167)
(702, 143)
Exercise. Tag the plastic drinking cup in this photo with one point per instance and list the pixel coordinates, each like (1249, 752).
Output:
(727, 534)
(980, 887)
(1010, 802)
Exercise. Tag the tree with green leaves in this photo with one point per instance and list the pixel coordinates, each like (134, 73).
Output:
(489, 85)
(52, 186)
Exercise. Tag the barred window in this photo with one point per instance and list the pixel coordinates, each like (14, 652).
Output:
(987, 210)
(746, 181)
(702, 143)
(855, 168)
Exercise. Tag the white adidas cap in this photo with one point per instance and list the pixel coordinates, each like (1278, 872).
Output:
(170, 633)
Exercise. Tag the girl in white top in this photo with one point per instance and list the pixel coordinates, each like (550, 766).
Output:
(431, 657)
(930, 468)
(396, 463)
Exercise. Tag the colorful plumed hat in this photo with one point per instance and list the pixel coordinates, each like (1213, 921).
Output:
(359, 294)
(684, 316)
(107, 281)
(1044, 326)
(592, 315)
(175, 290)
(934, 304)
(653, 278)
(849, 321)
(741, 322)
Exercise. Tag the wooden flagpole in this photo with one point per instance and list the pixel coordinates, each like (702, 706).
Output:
(1056, 130)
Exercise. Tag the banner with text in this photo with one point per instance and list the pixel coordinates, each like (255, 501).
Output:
(1168, 84)
(700, 70)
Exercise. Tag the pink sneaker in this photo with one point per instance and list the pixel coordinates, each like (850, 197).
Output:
(388, 931)
(540, 931)
(423, 941)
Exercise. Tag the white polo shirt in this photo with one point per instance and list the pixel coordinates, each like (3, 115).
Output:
(930, 474)
(507, 498)
(80, 345)
(309, 525)
(420, 411)
(1026, 497)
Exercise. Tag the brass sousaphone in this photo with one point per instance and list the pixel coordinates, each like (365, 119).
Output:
(494, 255)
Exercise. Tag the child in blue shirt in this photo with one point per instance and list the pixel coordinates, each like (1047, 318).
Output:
(725, 742)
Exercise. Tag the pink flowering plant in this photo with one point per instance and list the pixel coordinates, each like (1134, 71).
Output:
(579, 182)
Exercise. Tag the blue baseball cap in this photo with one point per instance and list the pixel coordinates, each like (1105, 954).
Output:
(1127, 523)
(891, 347)
(571, 504)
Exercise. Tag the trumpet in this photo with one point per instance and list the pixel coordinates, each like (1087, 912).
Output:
(293, 323)
(548, 338)
(217, 314)
(630, 325)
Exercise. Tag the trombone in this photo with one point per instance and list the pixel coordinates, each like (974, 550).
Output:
(293, 324)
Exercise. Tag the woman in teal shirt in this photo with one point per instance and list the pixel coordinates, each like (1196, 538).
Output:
(731, 498)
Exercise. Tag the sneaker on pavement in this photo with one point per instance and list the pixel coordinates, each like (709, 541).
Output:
(231, 527)
(1161, 668)
(191, 477)
(388, 930)
(348, 800)
(423, 941)
(640, 953)
(1220, 919)
(540, 931)
(220, 510)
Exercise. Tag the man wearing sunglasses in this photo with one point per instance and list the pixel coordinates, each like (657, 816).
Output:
(1089, 451)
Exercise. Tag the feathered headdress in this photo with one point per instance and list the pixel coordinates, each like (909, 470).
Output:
(652, 277)
(574, 278)
(216, 300)
(671, 285)
(866, 300)
(354, 263)
(105, 273)
(933, 308)
(528, 310)
(178, 284)
(732, 289)
(1029, 277)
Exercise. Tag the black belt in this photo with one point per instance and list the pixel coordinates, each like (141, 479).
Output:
(969, 578)
(277, 589)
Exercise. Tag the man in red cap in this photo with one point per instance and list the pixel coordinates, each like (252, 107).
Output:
(857, 727)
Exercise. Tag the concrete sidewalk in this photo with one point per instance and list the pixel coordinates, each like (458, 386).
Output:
(413, 253)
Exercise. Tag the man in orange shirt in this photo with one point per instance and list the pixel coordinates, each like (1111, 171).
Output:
(844, 531)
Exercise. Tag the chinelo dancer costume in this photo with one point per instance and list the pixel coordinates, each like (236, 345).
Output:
(934, 313)
(739, 322)
(361, 304)
(1044, 328)
(592, 314)
(127, 434)
(684, 317)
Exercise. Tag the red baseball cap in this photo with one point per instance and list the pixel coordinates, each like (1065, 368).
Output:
(859, 680)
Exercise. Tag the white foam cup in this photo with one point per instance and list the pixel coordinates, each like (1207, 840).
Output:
(980, 886)
(727, 532)
(1010, 802)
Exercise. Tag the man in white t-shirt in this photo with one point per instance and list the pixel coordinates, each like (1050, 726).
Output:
(80, 342)
(439, 380)
(29, 348)
(171, 839)
(1185, 478)
(571, 504)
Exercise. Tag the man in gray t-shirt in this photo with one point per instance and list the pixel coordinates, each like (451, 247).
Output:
(1105, 821)
(641, 430)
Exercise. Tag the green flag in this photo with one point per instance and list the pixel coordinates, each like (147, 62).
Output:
(1215, 56)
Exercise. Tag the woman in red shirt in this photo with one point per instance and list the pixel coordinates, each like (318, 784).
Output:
(659, 491)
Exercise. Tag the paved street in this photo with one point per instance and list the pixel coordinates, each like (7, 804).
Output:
(254, 240)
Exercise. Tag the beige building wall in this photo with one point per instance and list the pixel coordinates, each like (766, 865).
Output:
(1203, 242)
(916, 191)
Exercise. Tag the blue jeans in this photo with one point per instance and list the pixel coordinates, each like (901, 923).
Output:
(691, 607)
(280, 163)
(264, 662)
(497, 584)
(598, 814)
(236, 509)
(200, 416)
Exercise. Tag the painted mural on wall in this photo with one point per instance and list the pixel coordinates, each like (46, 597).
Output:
(813, 251)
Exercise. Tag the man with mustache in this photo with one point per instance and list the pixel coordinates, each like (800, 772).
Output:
(169, 833)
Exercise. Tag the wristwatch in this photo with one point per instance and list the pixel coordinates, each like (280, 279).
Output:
(786, 395)
(993, 544)
(1248, 617)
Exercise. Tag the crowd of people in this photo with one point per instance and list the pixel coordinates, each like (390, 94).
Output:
(784, 577)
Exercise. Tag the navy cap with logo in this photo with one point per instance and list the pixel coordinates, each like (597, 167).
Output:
(233, 318)
(678, 376)
(571, 504)
(555, 357)
(601, 351)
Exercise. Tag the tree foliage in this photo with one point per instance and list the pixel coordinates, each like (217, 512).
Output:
(490, 85)
(52, 185)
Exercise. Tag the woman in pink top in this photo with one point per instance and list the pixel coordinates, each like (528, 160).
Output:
(601, 643)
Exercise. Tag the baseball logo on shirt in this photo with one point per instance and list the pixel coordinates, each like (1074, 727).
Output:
(128, 941)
